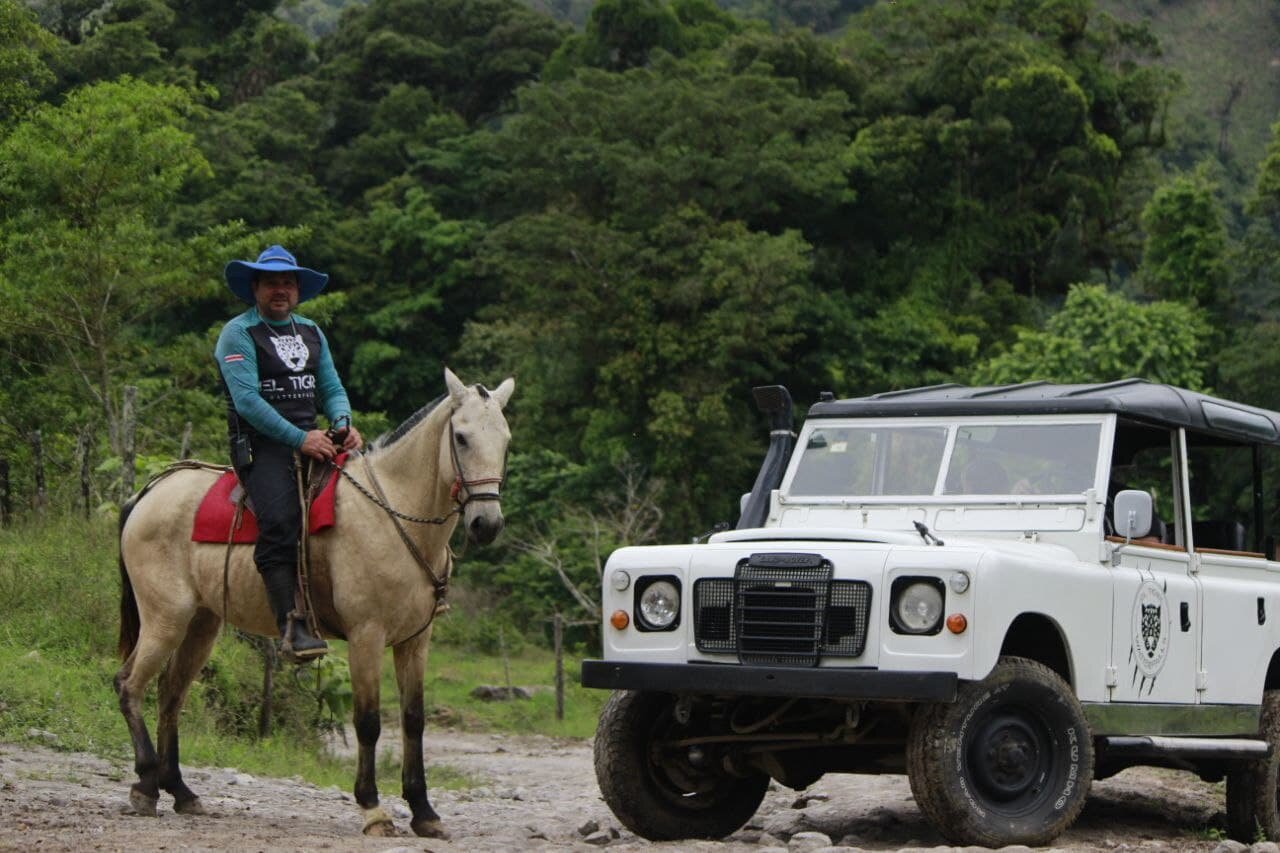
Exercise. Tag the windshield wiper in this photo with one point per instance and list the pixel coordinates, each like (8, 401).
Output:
(923, 530)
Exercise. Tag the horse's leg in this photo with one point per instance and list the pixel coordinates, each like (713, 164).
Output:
(156, 641)
(175, 680)
(411, 660)
(364, 655)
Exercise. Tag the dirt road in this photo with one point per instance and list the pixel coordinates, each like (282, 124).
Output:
(534, 793)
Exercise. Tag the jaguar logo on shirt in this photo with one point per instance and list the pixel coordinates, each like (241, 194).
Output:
(292, 351)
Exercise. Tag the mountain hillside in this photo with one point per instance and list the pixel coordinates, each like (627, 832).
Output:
(1228, 52)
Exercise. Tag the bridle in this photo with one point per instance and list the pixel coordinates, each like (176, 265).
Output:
(461, 485)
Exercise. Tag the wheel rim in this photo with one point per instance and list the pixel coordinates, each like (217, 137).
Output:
(674, 778)
(1009, 758)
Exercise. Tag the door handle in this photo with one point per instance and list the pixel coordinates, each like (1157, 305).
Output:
(1186, 617)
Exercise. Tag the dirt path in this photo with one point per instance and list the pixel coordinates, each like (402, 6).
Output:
(534, 793)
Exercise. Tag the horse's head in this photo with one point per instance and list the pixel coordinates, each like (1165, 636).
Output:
(474, 454)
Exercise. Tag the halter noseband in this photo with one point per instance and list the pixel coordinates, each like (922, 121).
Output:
(461, 484)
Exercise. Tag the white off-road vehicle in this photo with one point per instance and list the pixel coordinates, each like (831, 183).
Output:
(1004, 592)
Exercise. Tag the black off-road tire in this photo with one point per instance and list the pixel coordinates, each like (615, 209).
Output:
(1009, 762)
(648, 789)
(1253, 798)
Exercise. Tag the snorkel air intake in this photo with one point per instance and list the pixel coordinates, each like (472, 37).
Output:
(774, 401)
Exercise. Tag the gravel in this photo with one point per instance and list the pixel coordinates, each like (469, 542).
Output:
(535, 793)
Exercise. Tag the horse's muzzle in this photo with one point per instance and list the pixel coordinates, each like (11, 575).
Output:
(484, 528)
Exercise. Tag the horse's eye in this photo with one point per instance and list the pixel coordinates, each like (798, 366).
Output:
(461, 439)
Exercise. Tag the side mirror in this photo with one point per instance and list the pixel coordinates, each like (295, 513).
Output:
(1131, 517)
(742, 502)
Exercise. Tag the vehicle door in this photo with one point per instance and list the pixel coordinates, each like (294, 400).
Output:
(1237, 581)
(1155, 601)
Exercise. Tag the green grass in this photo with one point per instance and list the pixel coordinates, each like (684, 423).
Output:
(59, 605)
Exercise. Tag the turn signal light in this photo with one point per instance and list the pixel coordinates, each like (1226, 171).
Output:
(620, 619)
(956, 623)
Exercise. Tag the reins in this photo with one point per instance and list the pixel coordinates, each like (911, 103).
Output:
(440, 584)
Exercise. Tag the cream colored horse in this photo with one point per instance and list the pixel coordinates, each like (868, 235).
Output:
(448, 459)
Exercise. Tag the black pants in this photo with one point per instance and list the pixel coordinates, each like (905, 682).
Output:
(272, 485)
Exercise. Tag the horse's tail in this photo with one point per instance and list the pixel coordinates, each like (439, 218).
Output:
(130, 624)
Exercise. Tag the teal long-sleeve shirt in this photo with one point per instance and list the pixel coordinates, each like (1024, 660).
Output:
(278, 376)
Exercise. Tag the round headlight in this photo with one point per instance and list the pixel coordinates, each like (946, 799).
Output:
(919, 608)
(660, 604)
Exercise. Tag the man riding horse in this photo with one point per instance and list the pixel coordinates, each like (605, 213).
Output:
(277, 374)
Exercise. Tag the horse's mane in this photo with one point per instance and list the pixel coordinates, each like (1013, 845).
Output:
(389, 438)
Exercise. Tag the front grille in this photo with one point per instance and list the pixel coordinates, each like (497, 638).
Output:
(781, 609)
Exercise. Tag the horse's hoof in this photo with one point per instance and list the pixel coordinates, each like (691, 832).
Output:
(381, 829)
(193, 806)
(378, 822)
(429, 829)
(143, 804)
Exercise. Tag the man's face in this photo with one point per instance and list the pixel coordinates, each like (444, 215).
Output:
(276, 294)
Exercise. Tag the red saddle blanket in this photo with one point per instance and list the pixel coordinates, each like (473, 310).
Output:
(217, 511)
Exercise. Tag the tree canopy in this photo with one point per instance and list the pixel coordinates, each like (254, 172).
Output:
(641, 217)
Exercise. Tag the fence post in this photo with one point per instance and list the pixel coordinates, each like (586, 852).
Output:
(37, 459)
(128, 460)
(82, 456)
(558, 635)
(6, 502)
(506, 662)
(268, 649)
(185, 451)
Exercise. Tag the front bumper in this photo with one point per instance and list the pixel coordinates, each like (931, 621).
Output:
(736, 680)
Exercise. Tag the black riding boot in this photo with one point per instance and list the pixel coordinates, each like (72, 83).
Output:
(297, 643)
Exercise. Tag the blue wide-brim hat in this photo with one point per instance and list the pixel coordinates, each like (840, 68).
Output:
(276, 258)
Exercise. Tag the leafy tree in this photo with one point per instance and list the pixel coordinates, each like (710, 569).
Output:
(238, 47)
(1009, 135)
(1100, 336)
(423, 290)
(628, 338)
(630, 148)
(316, 17)
(24, 72)
(86, 266)
(622, 34)
(469, 54)
(123, 38)
(1185, 253)
(264, 154)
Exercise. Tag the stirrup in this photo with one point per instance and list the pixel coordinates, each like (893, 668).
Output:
(289, 653)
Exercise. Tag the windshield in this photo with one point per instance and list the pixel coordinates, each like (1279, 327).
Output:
(1018, 459)
(986, 459)
(870, 461)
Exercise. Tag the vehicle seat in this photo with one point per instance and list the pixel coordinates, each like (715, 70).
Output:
(1219, 533)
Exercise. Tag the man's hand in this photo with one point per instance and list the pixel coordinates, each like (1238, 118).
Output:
(318, 446)
(353, 440)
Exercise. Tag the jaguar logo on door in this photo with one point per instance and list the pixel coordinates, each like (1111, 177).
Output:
(1150, 633)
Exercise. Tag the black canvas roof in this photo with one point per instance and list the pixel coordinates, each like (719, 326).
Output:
(1134, 398)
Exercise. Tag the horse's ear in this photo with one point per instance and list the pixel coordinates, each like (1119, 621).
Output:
(457, 390)
(503, 392)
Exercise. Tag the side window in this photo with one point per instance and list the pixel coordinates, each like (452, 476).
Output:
(1143, 459)
(1221, 491)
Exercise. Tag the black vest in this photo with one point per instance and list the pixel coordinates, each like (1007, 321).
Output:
(287, 357)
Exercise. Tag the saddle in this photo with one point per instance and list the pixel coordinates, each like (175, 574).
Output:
(217, 519)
